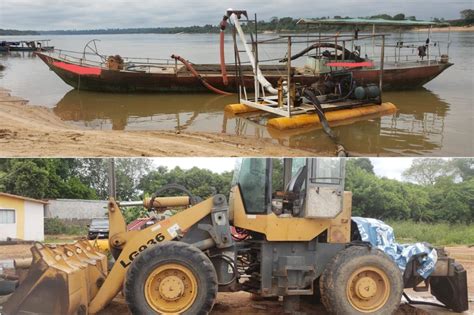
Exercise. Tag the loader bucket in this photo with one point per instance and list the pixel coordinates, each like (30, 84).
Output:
(101, 245)
(61, 280)
(451, 290)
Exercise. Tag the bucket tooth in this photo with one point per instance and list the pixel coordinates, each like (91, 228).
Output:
(94, 263)
(85, 249)
(56, 283)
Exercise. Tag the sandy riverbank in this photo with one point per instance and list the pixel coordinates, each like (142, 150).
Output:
(447, 29)
(34, 131)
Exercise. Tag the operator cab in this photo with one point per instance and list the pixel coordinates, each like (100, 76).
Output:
(299, 187)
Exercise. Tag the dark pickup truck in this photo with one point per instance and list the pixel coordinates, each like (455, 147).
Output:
(98, 229)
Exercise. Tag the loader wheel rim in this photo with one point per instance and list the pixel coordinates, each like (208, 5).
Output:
(171, 288)
(368, 289)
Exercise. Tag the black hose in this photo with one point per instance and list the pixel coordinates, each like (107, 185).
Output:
(229, 262)
(319, 111)
(340, 150)
(351, 90)
(346, 52)
(410, 301)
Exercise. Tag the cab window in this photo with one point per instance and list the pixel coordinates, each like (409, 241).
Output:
(251, 175)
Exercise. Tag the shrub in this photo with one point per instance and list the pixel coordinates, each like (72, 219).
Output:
(54, 226)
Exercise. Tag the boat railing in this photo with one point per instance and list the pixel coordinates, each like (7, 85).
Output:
(367, 45)
(401, 59)
(85, 58)
(408, 51)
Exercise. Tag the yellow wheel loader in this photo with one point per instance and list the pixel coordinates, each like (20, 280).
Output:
(282, 233)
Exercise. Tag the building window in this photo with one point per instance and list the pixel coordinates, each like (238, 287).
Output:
(7, 216)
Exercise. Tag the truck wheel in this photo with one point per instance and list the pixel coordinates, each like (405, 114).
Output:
(171, 278)
(361, 280)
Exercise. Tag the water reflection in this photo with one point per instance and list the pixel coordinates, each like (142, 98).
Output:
(417, 128)
(19, 54)
(145, 111)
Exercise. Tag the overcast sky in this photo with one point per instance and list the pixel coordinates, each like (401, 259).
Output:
(217, 165)
(383, 167)
(92, 14)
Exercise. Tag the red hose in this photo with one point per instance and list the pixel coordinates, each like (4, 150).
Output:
(223, 67)
(199, 77)
(223, 25)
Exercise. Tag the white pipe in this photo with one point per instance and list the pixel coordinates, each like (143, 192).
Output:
(260, 77)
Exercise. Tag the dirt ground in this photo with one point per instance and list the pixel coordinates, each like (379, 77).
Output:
(245, 303)
(27, 131)
(15, 251)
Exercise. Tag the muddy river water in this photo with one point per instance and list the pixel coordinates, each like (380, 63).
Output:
(436, 120)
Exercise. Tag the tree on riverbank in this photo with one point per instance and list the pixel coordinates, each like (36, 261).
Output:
(275, 24)
(468, 16)
(17, 32)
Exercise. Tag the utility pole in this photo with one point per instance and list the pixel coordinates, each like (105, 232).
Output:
(112, 179)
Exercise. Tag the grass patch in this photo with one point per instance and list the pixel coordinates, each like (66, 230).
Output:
(440, 234)
(61, 238)
(54, 226)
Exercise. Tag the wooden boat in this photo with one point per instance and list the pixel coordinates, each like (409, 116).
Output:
(34, 45)
(149, 77)
(117, 74)
(174, 77)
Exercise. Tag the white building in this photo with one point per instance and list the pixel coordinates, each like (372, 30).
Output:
(21, 217)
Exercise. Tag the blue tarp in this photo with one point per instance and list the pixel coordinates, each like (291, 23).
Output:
(381, 236)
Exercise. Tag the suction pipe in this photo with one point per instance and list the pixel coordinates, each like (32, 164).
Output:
(222, 54)
(263, 81)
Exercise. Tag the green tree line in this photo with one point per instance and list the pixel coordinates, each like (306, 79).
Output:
(438, 190)
(88, 178)
(17, 32)
(433, 190)
(275, 24)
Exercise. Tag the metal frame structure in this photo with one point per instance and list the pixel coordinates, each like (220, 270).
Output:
(272, 103)
(393, 23)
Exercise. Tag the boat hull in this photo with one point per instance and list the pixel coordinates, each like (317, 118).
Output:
(140, 82)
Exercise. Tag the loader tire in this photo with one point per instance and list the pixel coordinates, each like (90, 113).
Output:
(361, 280)
(172, 277)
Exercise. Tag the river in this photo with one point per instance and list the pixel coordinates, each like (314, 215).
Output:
(436, 120)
